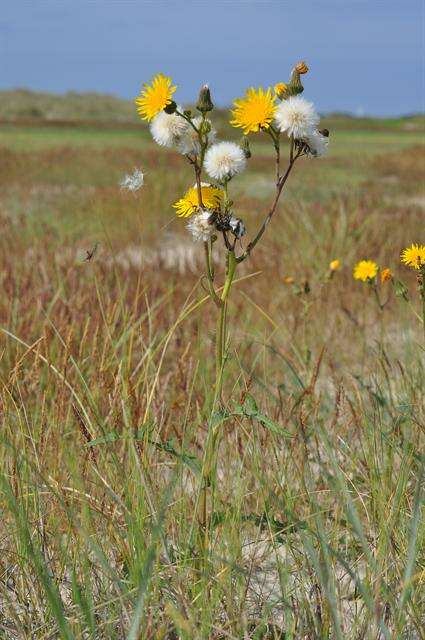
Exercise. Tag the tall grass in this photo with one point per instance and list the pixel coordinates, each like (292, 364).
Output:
(317, 530)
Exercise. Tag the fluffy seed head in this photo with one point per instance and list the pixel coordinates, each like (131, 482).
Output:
(133, 182)
(200, 226)
(167, 129)
(317, 144)
(224, 160)
(297, 117)
(189, 140)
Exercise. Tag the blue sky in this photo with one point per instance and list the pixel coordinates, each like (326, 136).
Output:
(365, 55)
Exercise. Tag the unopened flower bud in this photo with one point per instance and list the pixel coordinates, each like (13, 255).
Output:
(245, 147)
(280, 90)
(295, 86)
(170, 108)
(204, 101)
(301, 67)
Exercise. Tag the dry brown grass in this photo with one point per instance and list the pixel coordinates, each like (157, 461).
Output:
(107, 346)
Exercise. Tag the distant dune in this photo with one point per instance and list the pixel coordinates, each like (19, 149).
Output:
(22, 104)
(32, 107)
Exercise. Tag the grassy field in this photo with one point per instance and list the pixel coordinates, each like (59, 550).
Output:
(107, 373)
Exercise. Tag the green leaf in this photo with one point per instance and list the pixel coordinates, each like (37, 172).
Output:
(272, 426)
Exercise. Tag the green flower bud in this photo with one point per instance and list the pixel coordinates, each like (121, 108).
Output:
(294, 87)
(204, 101)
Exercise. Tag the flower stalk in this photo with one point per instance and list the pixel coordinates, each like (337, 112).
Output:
(211, 209)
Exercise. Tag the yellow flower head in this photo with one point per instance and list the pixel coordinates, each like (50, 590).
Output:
(365, 270)
(335, 265)
(211, 199)
(386, 274)
(254, 111)
(288, 280)
(414, 256)
(280, 89)
(155, 97)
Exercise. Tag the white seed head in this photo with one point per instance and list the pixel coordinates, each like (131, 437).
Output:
(133, 181)
(224, 160)
(199, 225)
(317, 144)
(167, 129)
(189, 141)
(297, 117)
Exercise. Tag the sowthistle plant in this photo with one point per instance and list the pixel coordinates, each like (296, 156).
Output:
(208, 203)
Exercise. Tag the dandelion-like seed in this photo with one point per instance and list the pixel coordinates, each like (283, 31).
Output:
(200, 226)
(414, 256)
(167, 129)
(365, 270)
(297, 117)
(189, 204)
(133, 182)
(224, 160)
(155, 97)
(255, 110)
(188, 143)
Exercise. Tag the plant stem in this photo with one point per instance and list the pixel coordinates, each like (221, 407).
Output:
(221, 323)
(212, 438)
(210, 273)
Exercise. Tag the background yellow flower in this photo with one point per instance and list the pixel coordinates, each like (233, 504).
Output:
(254, 111)
(188, 205)
(155, 97)
(365, 270)
(335, 265)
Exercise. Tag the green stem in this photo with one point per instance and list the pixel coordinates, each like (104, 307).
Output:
(208, 468)
(423, 312)
(210, 273)
(221, 324)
